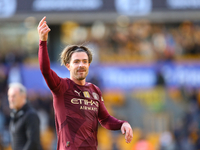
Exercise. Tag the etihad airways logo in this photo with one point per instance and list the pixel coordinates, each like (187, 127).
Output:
(84, 101)
(87, 104)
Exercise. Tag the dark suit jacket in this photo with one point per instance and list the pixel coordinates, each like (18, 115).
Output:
(25, 129)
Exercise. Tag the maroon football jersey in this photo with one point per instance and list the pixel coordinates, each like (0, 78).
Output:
(77, 109)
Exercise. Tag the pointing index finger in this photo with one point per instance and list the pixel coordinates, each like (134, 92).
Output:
(42, 21)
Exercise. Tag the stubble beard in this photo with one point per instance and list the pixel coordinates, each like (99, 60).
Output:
(82, 76)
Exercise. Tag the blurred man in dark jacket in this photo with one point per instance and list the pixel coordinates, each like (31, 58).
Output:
(24, 125)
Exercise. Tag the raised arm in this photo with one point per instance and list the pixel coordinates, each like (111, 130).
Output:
(43, 30)
(50, 76)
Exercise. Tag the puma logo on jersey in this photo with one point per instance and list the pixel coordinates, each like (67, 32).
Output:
(77, 92)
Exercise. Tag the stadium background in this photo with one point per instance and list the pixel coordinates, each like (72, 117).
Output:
(146, 62)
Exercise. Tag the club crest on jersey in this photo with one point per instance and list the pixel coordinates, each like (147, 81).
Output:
(86, 94)
(95, 95)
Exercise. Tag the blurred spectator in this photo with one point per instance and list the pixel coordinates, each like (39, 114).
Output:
(166, 141)
(25, 123)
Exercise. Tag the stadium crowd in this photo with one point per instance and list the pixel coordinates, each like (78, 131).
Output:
(122, 42)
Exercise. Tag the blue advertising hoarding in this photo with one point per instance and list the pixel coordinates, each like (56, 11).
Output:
(123, 77)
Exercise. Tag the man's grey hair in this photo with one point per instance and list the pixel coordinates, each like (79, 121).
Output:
(19, 86)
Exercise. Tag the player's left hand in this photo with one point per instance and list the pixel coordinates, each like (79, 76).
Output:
(127, 130)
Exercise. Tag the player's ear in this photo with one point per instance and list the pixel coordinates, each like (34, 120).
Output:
(68, 66)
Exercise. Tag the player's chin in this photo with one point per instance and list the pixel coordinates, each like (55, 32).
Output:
(81, 77)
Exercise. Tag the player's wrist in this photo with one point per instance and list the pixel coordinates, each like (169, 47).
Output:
(43, 39)
(42, 42)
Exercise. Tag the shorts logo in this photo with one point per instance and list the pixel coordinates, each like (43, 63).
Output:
(86, 94)
(95, 95)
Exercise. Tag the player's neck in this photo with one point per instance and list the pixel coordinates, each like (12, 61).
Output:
(79, 82)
